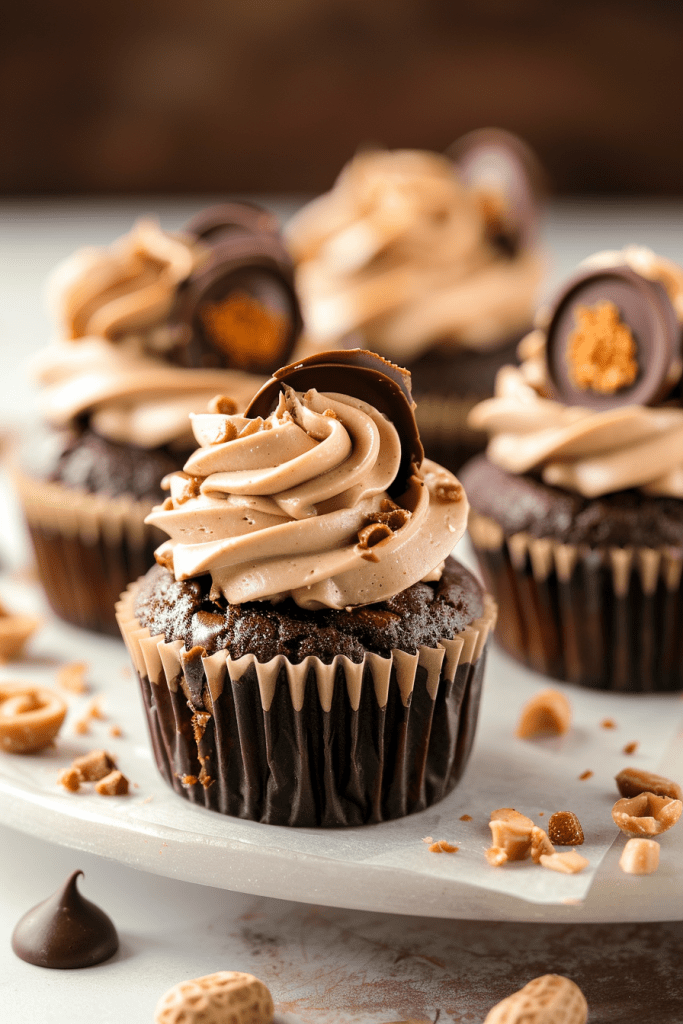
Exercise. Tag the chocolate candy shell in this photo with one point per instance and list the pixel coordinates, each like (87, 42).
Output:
(496, 160)
(239, 262)
(226, 217)
(645, 308)
(360, 374)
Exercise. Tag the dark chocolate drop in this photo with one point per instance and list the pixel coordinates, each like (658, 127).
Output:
(363, 375)
(65, 931)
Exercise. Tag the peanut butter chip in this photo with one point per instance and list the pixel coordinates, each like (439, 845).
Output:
(601, 352)
(245, 329)
(30, 717)
(71, 677)
(15, 631)
(227, 997)
(640, 857)
(546, 713)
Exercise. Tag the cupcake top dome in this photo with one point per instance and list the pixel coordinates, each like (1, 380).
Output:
(415, 250)
(318, 492)
(595, 406)
(153, 325)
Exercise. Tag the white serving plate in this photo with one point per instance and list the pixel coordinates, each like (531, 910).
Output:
(379, 868)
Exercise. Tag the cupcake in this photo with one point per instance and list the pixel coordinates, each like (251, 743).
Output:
(432, 261)
(577, 507)
(308, 652)
(149, 329)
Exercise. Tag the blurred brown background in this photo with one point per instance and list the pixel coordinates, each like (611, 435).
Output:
(174, 96)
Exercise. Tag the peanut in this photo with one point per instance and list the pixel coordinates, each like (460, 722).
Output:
(227, 997)
(550, 999)
(646, 814)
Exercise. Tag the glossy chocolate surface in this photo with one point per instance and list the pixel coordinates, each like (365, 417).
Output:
(226, 217)
(498, 161)
(360, 374)
(645, 308)
(239, 309)
(65, 931)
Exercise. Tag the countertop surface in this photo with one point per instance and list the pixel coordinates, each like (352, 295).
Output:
(323, 965)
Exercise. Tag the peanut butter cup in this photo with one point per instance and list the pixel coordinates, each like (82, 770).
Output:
(613, 339)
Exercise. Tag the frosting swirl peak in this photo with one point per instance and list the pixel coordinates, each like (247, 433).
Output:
(297, 505)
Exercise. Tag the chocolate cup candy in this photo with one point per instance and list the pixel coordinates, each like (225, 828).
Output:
(226, 217)
(645, 308)
(497, 162)
(362, 375)
(239, 310)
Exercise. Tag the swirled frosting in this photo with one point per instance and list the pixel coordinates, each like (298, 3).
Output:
(398, 251)
(298, 505)
(592, 453)
(108, 363)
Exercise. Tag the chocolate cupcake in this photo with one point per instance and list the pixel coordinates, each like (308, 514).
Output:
(577, 508)
(432, 261)
(308, 652)
(150, 328)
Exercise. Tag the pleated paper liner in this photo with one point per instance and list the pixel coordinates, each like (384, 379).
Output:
(311, 744)
(604, 617)
(88, 548)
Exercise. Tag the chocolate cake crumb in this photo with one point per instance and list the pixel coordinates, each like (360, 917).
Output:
(419, 616)
(525, 504)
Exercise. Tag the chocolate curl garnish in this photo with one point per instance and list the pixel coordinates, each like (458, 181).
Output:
(359, 374)
(613, 340)
(509, 180)
(238, 309)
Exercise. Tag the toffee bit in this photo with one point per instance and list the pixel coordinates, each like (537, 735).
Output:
(631, 748)
(441, 846)
(466, 817)
(588, 774)
(222, 404)
(608, 723)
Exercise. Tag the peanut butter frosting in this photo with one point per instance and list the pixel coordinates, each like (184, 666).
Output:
(577, 448)
(109, 362)
(300, 504)
(398, 250)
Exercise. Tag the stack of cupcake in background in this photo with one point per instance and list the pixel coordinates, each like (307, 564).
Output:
(149, 329)
(434, 262)
(308, 651)
(577, 508)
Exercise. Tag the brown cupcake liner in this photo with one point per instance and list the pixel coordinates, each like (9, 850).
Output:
(311, 744)
(609, 618)
(88, 548)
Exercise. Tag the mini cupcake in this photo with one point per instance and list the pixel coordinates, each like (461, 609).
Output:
(433, 262)
(149, 329)
(308, 652)
(577, 508)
